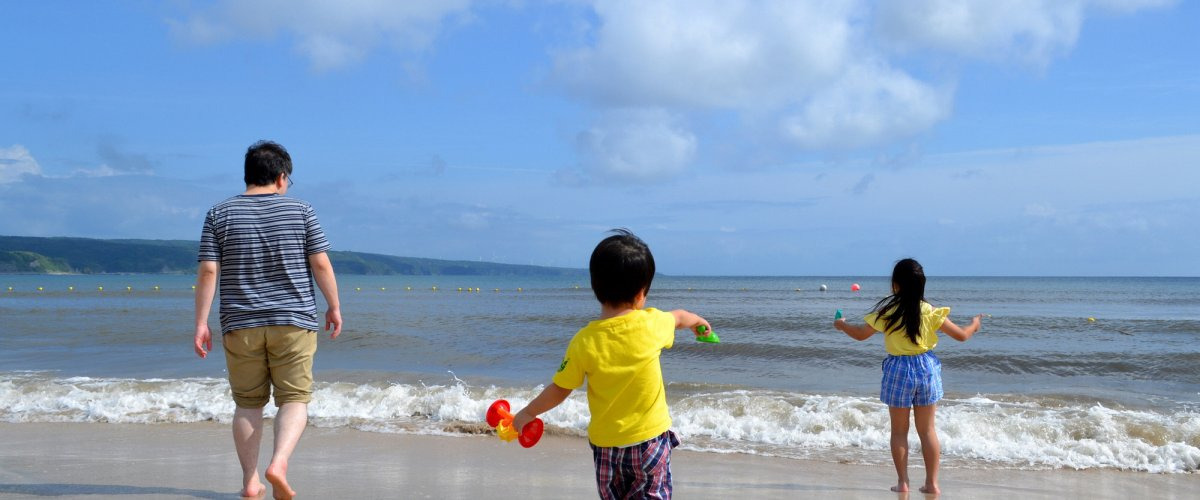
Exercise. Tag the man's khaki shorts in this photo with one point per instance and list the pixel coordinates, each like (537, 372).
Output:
(279, 356)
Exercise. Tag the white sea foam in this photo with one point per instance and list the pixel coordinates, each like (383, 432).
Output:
(1008, 430)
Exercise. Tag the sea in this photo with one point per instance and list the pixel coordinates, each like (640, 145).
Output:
(1076, 373)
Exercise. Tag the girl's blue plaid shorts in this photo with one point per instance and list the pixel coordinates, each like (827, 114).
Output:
(911, 380)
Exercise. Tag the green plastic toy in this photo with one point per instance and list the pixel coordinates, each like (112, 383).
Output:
(711, 337)
(837, 315)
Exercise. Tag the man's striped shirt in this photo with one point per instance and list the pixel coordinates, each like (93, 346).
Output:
(262, 244)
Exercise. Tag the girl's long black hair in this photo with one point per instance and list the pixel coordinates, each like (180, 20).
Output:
(903, 307)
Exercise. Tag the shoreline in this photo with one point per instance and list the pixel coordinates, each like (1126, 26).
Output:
(78, 460)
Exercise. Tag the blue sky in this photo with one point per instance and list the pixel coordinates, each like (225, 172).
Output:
(831, 137)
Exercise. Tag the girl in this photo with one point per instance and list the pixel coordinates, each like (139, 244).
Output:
(912, 374)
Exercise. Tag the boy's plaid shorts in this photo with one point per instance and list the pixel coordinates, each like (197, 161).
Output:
(639, 471)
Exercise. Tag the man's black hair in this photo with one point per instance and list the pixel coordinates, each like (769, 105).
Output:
(621, 266)
(265, 161)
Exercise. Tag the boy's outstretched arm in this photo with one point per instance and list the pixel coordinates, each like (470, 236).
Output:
(961, 334)
(691, 321)
(856, 332)
(551, 396)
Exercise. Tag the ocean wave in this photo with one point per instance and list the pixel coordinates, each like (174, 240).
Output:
(1006, 430)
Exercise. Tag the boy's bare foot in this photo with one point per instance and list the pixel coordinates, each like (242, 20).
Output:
(929, 489)
(900, 488)
(277, 476)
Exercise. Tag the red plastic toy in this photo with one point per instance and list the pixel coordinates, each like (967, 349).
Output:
(499, 417)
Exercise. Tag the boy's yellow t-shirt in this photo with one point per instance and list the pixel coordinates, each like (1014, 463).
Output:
(896, 341)
(619, 358)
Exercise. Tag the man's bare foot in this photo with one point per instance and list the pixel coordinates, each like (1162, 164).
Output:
(931, 489)
(900, 488)
(277, 476)
(253, 490)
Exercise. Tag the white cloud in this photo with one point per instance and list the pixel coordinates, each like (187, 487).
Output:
(711, 53)
(814, 75)
(473, 220)
(1040, 210)
(868, 105)
(637, 144)
(116, 206)
(1128, 6)
(101, 171)
(1032, 32)
(329, 34)
(805, 69)
(15, 163)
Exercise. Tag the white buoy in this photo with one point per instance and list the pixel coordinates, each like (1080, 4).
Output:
(823, 287)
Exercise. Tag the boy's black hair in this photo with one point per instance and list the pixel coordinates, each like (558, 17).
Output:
(621, 266)
(265, 160)
(903, 308)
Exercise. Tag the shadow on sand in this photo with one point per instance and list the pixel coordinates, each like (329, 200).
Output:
(67, 489)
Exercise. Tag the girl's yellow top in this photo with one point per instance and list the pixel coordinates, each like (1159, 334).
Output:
(896, 341)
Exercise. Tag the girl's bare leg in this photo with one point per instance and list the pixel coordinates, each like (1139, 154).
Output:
(931, 449)
(899, 418)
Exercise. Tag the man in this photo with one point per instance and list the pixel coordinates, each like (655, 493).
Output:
(267, 250)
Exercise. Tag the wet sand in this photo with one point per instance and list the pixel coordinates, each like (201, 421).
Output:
(92, 461)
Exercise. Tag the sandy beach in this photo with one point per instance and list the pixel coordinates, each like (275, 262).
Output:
(197, 461)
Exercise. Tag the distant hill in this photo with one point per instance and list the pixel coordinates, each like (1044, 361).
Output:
(24, 254)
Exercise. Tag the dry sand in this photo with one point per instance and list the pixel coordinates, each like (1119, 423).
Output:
(93, 461)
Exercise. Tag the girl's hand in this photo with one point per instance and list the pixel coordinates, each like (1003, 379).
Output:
(959, 333)
(860, 332)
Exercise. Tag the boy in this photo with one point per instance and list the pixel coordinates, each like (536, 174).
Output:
(618, 355)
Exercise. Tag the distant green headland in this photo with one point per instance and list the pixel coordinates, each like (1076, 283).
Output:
(23, 254)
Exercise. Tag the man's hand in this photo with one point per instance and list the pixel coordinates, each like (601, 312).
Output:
(203, 341)
(333, 317)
